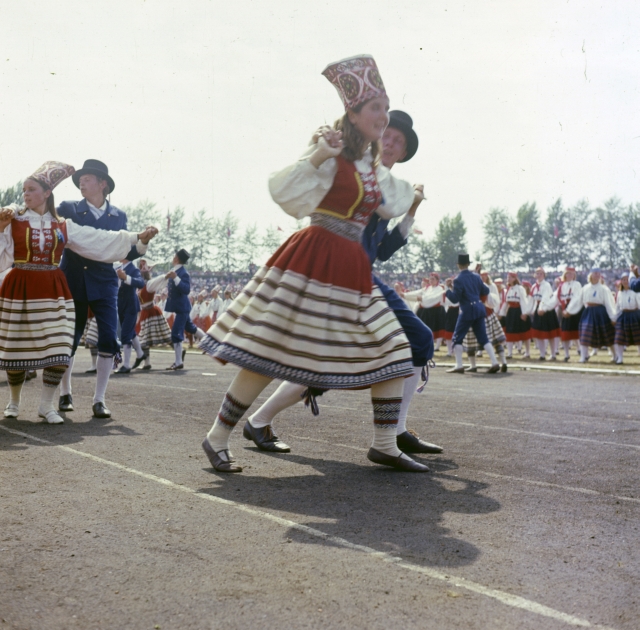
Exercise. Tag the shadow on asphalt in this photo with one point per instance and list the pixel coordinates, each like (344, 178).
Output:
(60, 434)
(399, 513)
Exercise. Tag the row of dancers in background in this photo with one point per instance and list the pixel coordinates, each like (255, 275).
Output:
(591, 316)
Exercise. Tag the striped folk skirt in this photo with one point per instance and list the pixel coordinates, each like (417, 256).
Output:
(37, 320)
(312, 316)
(154, 329)
(628, 328)
(435, 318)
(570, 327)
(545, 326)
(90, 335)
(495, 335)
(450, 320)
(596, 329)
(517, 329)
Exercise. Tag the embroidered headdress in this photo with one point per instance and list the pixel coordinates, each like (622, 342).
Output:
(357, 80)
(52, 173)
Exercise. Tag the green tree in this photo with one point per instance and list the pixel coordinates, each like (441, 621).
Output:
(634, 256)
(556, 235)
(271, 241)
(528, 236)
(11, 195)
(611, 236)
(227, 257)
(579, 246)
(449, 241)
(200, 239)
(249, 247)
(497, 245)
(425, 255)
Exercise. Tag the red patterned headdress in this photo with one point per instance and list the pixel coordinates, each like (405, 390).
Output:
(52, 173)
(357, 80)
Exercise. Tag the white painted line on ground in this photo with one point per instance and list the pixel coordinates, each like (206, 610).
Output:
(533, 482)
(139, 385)
(552, 368)
(508, 599)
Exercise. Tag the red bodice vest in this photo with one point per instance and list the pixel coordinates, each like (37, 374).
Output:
(26, 243)
(353, 196)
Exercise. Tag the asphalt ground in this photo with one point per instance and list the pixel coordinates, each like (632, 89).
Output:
(529, 519)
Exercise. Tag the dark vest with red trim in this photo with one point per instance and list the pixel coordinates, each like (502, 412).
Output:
(26, 243)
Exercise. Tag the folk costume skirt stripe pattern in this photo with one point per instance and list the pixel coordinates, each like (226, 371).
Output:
(435, 318)
(596, 329)
(37, 319)
(545, 326)
(312, 316)
(517, 329)
(90, 335)
(570, 327)
(154, 329)
(494, 333)
(628, 328)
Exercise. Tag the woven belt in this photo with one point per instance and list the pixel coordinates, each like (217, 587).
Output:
(34, 267)
(341, 227)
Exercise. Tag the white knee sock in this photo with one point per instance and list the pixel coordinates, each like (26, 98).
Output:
(178, 350)
(491, 353)
(566, 345)
(527, 348)
(457, 349)
(104, 365)
(503, 359)
(438, 344)
(472, 360)
(541, 346)
(15, 392)
(46, 399)
(619, 351)
(408, 390)
(510, 348)
(147, 359)
(94, 360)
(65, 383)
(126, 356)
(135, 342)
(584, 353)
(287, 395)
(449, 346)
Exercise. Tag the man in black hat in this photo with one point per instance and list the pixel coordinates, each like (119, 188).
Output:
(179, 287)
(94, 284)
(399, 144)
(466, 290)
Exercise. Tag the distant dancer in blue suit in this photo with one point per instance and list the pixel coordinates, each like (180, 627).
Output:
(94, 284)
(466, 290)
(634, 279)
(179, 287)
(128, 308)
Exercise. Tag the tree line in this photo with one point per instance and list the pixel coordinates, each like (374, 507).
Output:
(581, 235)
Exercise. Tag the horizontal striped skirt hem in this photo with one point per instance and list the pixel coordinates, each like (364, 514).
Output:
(495, 334)
(628, 329)
(226, 353)
(596, 329)
(34, 364)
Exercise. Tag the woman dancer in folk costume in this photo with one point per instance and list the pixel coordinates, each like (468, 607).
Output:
(37, 313)
(514, 309)
(597, 321)
(431, 311)
(311, 315)
(544, 321)
(628, 320)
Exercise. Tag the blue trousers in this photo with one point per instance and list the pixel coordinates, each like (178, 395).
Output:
(479, 330)
(106, 316)
(128, 318)
(182, 322)
(417, 332)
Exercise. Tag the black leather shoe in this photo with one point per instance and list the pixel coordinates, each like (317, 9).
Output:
(174, 367)
(456, 371)
(146, 367)
(217, 462)
(265, 439)
(503, 368)
(91, 371)
(493, 369)
(138, 361)
(399, 463)
(409, 442)
(65, 403)
(473, 370)
(30, 375)
(100, 411)
(123, 370)
(184, 352)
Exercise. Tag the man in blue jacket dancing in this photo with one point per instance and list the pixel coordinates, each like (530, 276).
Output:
(128, 308)
(95, 284)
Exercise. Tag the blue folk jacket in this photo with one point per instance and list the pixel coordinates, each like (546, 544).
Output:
(128, 293)
(88, 279)
(467, 289)
(379, 243)
(178, 298)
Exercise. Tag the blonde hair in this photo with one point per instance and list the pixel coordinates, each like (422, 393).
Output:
(354, 144)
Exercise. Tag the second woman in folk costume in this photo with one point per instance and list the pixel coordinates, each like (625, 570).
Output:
(514, 309)
(431, 311)
(37, 313)
(628, 320)
(544, 321)
(310, 315)
(596, 323)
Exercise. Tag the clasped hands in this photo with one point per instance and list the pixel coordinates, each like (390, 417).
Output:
(147, 234)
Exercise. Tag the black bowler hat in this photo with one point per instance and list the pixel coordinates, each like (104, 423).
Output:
(463, 259)
(404, 123)
(94, 167)
(183, 255)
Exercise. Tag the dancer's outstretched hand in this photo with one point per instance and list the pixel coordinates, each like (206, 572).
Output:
(6, 214)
